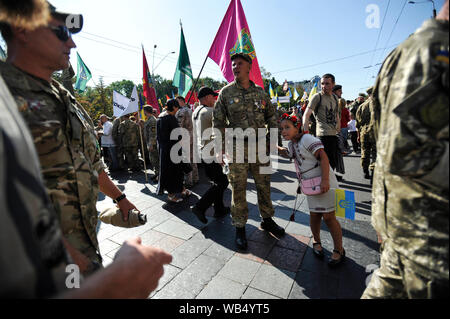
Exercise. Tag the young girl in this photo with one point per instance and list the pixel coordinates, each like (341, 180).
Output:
(309, 154)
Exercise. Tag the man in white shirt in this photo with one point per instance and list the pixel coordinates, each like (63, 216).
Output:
(202, 120)
(108, 142)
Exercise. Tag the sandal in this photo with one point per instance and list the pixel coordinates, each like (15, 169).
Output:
(174, 199)
(186, 193)
(335, 262)
(318, 253)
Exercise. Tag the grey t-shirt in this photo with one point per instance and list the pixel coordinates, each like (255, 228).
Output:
(202, 120)
(325, 114)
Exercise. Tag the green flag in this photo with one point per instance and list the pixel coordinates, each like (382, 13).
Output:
(183, 74)
(83, 75)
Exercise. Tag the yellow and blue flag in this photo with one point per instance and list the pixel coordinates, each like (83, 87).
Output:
(296, 96)
(271, 93)
(290, 94)
(313, 91)
(304, 97)
(345, 204)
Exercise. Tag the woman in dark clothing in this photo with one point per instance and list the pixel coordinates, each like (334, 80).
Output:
(170, 174)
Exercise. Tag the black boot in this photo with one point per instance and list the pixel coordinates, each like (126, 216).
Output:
(269, 225)
(241, 241)
(366, 174)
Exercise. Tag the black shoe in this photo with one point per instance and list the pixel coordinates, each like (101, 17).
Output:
(200, 214)
(269, 225)
(335, 262)
(241, 241)
(339, 178)
(366, 175)
(219, 213)
(318, 253)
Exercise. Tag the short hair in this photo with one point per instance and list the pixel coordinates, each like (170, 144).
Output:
(179, 97)
(148, 109)
(329, 76)
(172, 104)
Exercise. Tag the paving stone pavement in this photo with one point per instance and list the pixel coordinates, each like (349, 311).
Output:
(206, 263)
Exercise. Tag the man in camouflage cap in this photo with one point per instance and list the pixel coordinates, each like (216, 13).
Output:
(244, 105)
(366, 136)
(62, 131)
(355, 105)
(411, 183)
(150, 139)
(129, 135)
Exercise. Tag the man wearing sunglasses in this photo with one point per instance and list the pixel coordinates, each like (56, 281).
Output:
(62, 131)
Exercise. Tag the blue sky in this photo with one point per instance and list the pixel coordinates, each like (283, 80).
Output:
(293, 38)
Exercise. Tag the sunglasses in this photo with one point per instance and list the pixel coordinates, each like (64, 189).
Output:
(61, 32)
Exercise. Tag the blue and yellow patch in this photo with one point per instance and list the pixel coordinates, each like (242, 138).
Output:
(442, 56)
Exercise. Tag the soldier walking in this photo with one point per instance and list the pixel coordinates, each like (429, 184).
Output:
(150, 140)
(366, 136)
(129, 134)
(242, 105)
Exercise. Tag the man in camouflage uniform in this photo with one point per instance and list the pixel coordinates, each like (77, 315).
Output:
(129, 134)
(366, 136)
(184, 117)
(411, 183)
(118, 142)
(150, 139)
(242, 104)
(62, 131)
(355, 105)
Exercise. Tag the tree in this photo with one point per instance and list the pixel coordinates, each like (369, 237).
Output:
(124, 87)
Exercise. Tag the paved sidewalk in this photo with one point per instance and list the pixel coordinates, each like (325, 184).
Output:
(206, 263)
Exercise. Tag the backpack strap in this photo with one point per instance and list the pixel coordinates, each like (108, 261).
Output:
(198, 112)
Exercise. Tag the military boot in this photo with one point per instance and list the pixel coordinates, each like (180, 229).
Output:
(241, 241)
(366, 174)
(269, 225)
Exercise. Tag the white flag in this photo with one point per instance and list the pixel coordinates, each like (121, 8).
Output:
(123, 105)
(120, 104)
(133, 106)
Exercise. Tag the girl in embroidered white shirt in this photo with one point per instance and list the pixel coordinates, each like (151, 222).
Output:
(311, 162)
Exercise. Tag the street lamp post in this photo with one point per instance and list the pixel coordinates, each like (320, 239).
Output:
(434, 7)
(163, 60)
(153, 63)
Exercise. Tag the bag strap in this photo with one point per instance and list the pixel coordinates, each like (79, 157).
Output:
(198, 112)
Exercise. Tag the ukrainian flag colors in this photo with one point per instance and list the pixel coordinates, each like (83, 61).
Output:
(271, 93)
(313, 91)
(345, 204)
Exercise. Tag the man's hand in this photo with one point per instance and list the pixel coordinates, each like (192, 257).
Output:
(283, 151)
(142, 267)
(125, 206)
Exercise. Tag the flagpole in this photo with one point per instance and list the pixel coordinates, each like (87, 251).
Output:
(196, 80)
(142, 146)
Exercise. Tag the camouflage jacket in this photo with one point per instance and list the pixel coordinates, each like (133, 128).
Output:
(67, 147)
(363, 116)
(129, 133)
(239, 108)
(33, 258)
(115, 132)
(184, 118)
(150, 131)
(411, 183)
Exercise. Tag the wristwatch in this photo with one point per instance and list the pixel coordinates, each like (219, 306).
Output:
(119, 198)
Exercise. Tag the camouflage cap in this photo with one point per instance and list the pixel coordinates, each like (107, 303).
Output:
(28, 14)
(113, 216)
(74, 22)
(242, 55)
(362, 95)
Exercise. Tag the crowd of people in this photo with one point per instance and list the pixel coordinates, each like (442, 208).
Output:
(52, 166)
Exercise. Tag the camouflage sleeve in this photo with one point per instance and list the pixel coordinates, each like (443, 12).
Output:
(271, 114)
(414, 120)
(220, 115)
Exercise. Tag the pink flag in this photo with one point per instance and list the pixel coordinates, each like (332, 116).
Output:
(234, 37)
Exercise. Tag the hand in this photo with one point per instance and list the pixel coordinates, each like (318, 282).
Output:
(283, 151)
(325, 185)
(141, 267)
(125, 205)
(358, 140)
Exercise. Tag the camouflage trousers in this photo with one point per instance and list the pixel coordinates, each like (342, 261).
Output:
(120, 157)
(238, 181)
(131, 157)
(398, 277)
(368, 151)
(154, 159)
